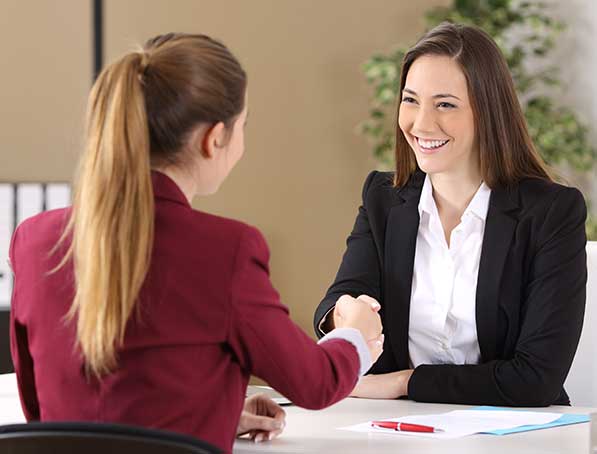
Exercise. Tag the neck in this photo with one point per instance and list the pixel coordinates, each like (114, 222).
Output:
(183, 179)
(453, 193)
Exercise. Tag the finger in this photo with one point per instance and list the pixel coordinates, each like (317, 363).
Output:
(371, 301)
(281, 417)
(345, 299)
(267, 406)
(376, 343)
(274, 434)
(273, 409)
(341, 303)
(264, 423)
(381, 338)
(375, 349)
(258, 437)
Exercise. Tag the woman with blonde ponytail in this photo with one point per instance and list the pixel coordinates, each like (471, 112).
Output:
(130, 306)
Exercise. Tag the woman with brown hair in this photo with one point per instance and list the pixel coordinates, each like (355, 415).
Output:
(475, 254)
(132, 307)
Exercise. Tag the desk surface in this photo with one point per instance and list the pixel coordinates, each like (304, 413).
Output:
(316, 431)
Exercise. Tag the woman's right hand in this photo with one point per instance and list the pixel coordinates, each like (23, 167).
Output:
(361, 313)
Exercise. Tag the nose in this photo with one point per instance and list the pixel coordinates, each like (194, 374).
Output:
(424, 122)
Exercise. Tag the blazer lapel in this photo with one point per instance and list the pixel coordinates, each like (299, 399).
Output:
(499, 231)
(401, 237)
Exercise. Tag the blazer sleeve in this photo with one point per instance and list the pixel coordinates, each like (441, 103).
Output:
(552, 316)
(359, 272)
(269, 345)
(19, 346)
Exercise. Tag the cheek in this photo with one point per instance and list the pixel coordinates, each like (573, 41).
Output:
(404, 120)
(241, 143)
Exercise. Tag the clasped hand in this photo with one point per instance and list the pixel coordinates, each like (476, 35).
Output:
(261, 418)
(361, 313)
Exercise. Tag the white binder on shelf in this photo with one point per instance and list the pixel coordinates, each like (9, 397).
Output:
(19, 201)
(7, 221)
(58, 195)
(30, 200)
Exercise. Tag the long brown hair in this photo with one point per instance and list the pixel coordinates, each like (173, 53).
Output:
(141, 110)
(506, 151)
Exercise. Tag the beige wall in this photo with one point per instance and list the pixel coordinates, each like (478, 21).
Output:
(301, 177)
(45, 50)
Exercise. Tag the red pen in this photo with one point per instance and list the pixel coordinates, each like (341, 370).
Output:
(404, 427)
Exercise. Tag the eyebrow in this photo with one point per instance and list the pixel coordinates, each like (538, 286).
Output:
(439, 95)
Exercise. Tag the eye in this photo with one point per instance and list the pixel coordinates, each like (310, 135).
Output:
(446, 105)
(409, 100)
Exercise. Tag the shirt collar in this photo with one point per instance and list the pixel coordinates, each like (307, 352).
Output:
(479, 205)
(426, 202)
(165, 188)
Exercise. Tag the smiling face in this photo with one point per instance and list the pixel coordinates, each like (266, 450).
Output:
(436, 117)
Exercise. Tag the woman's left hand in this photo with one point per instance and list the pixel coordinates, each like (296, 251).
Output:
(261, 418)
(383, 386)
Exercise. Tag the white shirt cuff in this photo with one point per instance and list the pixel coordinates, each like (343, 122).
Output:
(355, 337)
(324, 319)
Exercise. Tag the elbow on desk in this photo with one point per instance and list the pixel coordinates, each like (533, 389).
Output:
(316, 402)
(319, 398)
(535, 395)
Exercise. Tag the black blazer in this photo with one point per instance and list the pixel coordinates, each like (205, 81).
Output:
(530, 296)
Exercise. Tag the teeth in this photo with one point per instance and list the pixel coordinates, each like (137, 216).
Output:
(431, 143)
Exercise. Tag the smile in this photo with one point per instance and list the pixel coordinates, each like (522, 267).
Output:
(430, 145)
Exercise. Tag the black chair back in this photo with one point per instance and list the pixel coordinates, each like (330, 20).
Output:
(96, 438)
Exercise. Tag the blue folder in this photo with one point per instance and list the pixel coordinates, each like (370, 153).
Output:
(566, 419)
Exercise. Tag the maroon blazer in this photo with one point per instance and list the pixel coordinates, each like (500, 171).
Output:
(209, 317)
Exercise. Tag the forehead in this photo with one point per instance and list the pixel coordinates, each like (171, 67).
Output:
(433, 74)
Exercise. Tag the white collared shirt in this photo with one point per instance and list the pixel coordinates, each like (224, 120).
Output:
(442, 324)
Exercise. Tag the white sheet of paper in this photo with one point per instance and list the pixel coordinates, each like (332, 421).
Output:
(459, 423)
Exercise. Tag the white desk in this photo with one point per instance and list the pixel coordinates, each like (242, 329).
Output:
(10, 405)
(316, 431)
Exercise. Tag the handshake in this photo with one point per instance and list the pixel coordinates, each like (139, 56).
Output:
(361, 313)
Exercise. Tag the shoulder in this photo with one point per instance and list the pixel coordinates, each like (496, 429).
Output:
(46, 221)
(42, 228)
(553, 212)
(234, 228)
(379, 190)
(36, 235)
(246, 240)
(379, 187)
(541, 197)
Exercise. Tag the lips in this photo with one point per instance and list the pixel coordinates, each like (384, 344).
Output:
(431, 145)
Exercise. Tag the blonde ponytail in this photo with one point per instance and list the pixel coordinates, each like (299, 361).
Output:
(141, 110)
(112, 221)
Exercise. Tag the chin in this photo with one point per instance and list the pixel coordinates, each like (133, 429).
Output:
(430, 167)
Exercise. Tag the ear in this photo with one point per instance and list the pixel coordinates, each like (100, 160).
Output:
(213, 140)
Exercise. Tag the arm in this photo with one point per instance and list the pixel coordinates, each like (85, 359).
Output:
(268, 344)
(19, 348)
(359, 272)
(552, 311)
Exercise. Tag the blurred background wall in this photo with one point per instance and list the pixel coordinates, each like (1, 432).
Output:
(576, 56)
(301, 177)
